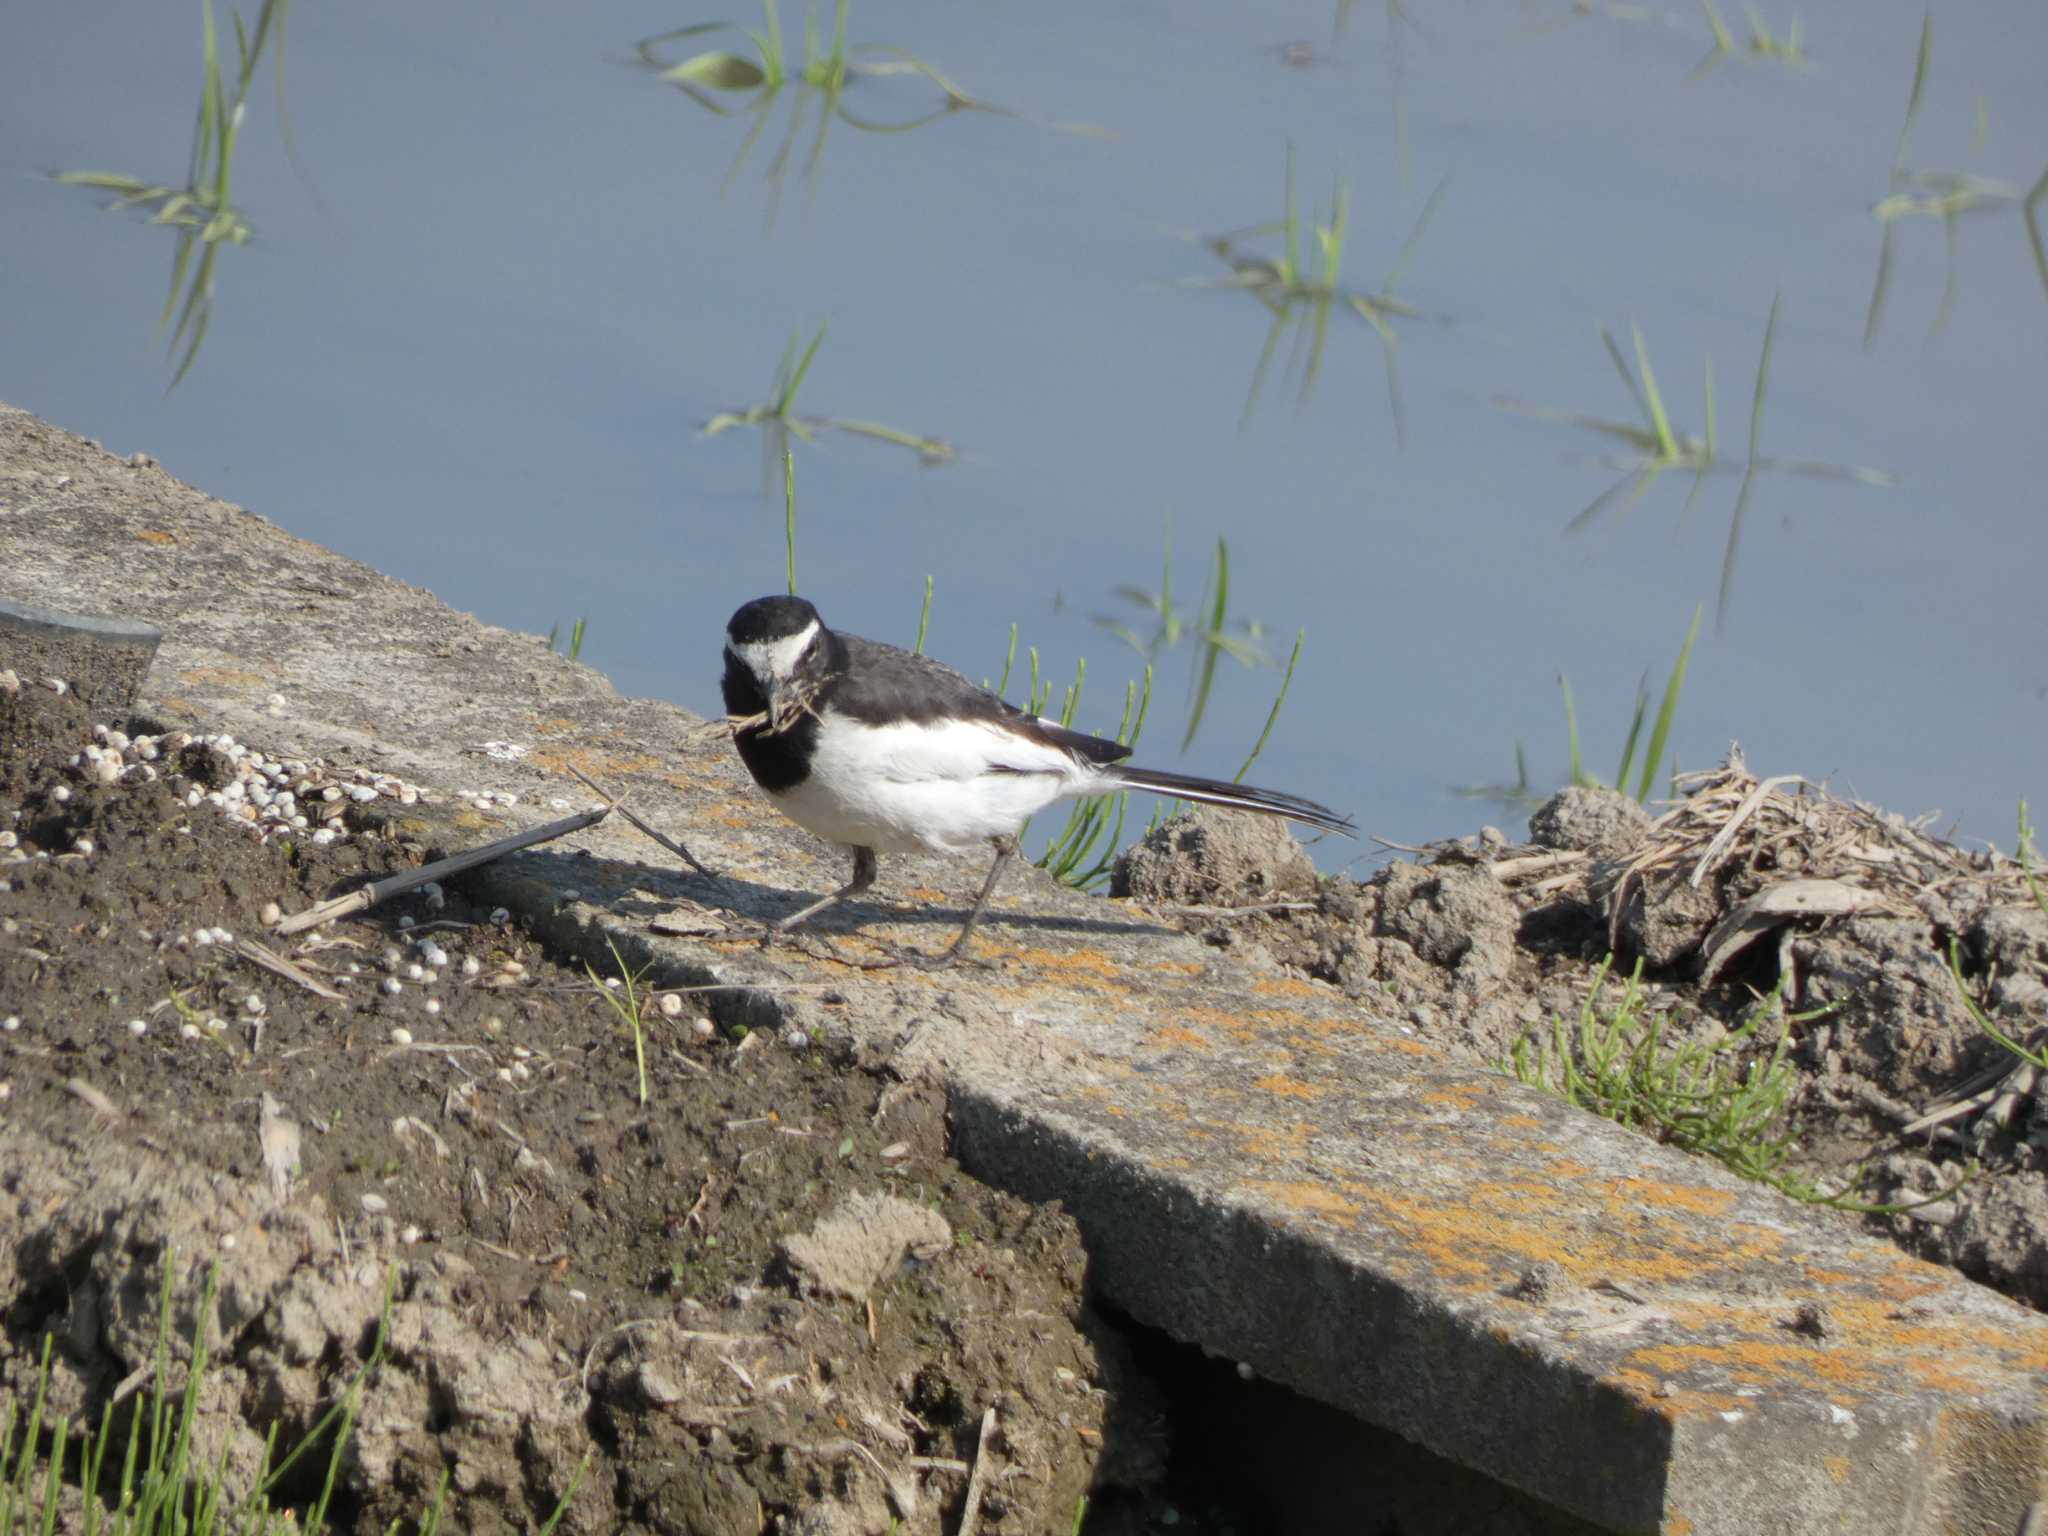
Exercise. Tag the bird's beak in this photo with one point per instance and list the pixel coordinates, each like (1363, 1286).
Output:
(785, 703)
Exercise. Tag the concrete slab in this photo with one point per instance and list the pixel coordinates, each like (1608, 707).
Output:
(1259, 1165)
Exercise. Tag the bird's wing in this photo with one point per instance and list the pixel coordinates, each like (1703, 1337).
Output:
(884, 684)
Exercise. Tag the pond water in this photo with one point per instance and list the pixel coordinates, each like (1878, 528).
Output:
(484, 317)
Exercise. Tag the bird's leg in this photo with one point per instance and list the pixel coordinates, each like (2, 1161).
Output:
(865, 865)
(1005, 847)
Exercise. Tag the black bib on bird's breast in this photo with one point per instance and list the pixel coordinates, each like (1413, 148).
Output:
(777, 761)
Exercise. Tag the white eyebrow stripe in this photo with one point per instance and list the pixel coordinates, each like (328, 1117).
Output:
(771, 660)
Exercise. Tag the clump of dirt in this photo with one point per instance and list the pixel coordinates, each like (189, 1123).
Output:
(440, 1100)
(1829, 922)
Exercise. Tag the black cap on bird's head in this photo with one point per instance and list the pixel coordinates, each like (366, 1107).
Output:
(767, 619)
(782, 647)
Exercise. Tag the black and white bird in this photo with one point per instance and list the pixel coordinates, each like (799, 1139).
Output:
(881, 751)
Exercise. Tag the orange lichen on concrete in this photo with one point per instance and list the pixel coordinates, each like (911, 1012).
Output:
(156, 536)
(1657, 1192)
(1307, 1197)
(1459, 1096)
(1286, 1087)
(1279, 1143)
(1836, 1467)
(556, 760)
(1494, 1231)
(1520, 1123)
(1289, 986)
(1090, 968)
(1174, 1035)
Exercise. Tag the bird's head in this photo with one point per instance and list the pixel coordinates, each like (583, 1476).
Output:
(783, 647)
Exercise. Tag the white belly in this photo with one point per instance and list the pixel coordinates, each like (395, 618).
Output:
(905, 788)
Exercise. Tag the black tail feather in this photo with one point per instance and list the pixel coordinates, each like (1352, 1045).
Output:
(1238, 797)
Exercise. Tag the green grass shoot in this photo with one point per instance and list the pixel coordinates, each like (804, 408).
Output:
(818, 78)
(1761, 43)
(1299, 295)
(1947, 195)
(201, 210)
(789, 516)
(575, 651)
(1728, 1098)
(2032, 1050)
(781, 425)
(1655, 447)
(1209, 629)
(924, 618)
(630, 1010)
(159, 1488)
(1521, 796)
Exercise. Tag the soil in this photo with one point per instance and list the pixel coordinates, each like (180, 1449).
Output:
(1827, 923)
(765, 1298)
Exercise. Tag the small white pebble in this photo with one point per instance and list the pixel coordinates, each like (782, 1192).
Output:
(703, 1029)
(138, 1027)
(6, 1092)
(519, 1071)
(433, 954)
(576, 1295)
(433, 1005)
(613, 983)
(521, 1052)
(500, 916)
(672, 1005)
(222, 936)
(375, 1204)
(409, 1234)
(271, 915)
(57, 685)
(61, 793)
(504, 1074)
(493, 1025)
(254, 1003)
(228, 1241)
(393, 985)
(81, 845)
(415, 971)
(322, 837)
(216, 1023)
(400, 1035)
(795, 1039)
(193, 796)
(471, 965)
(512, 968)
(11, 1023)
(10, 839)
(189, 1030)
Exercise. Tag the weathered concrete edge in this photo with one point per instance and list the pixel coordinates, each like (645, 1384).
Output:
(1205, 1259)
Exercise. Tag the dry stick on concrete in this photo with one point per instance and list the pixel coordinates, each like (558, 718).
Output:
(977, 1482)
(383, 890)
(614, 803)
